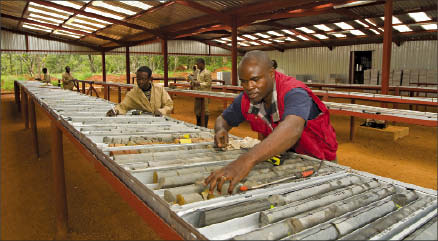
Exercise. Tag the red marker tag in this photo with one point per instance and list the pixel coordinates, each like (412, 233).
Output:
(307, 173)
(243, 188)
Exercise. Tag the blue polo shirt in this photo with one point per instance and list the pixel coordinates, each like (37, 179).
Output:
(296, 102)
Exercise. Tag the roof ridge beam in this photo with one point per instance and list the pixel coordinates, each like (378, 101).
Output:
(309, 10)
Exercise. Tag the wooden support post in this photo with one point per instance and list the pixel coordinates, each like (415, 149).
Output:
(352, 123)
(24, 100)
(77, 86)
(165, 57)
(26, 39)
(83, 87)
(59, 181)
(411, 94)
(225, 104)
(119, 94)
(17, 96)
(260, 136)
(128, 66)
(387, 45)
(33, 126)
(105, 90)
(234, 50)
(202, 111)
(396, 92)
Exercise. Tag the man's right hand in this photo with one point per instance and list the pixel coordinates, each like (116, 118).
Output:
(112, 113)
(221, 138)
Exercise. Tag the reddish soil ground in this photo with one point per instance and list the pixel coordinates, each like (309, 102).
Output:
(96, 211)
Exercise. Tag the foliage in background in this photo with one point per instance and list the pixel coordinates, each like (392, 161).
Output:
(25, 66)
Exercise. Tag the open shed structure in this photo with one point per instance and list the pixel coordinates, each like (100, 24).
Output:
(215, 27)
(156, 162)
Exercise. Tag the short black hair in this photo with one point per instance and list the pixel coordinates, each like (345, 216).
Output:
(274, 64)
(260, 57)
(44, 70)
(145, 69)
(200, 60)
(67, 67)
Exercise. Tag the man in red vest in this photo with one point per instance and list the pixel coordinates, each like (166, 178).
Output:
(283, 110)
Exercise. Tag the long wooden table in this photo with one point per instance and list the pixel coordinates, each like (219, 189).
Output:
(352, 110)
(228, 97)
(122, 182)
(26, 103)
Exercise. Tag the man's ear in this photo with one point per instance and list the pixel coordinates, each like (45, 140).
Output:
(272, 73)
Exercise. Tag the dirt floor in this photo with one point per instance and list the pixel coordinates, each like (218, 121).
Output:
(97, 212)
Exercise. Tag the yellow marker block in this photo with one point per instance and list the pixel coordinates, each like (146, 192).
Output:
(185, 141)
(187, 136)
(272, 206)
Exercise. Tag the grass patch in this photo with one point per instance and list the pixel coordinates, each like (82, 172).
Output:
(7, 81)
(82, 76)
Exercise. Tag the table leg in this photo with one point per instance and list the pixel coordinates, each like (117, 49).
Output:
(108, 93)
(24, 101)
(33, 127)
(17, 96)
(119, 93)
(411, 94)
(352, 123)
(59, 181)
(202, 111)
(225, 104)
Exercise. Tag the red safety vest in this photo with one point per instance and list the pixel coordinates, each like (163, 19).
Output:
(318, 138)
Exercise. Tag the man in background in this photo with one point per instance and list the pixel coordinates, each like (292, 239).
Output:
(202, 82)
(67, 79)
(146, 96)
(45, 77)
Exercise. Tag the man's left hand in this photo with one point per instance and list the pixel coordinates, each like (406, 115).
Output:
(233, 172)
(157, 113)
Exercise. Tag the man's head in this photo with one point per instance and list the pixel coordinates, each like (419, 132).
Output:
(257, 75)
(67, 69)
(44, 70)
(144, 77)
(200, 63)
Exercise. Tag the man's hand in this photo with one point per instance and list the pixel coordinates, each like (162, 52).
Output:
(112, 112)
(157, 113)
(233, 172)
(221, 138)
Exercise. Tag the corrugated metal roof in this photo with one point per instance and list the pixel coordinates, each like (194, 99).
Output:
(188, 20)
(172, 14)
(119, 32)
(14, 8)
(93, 40)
